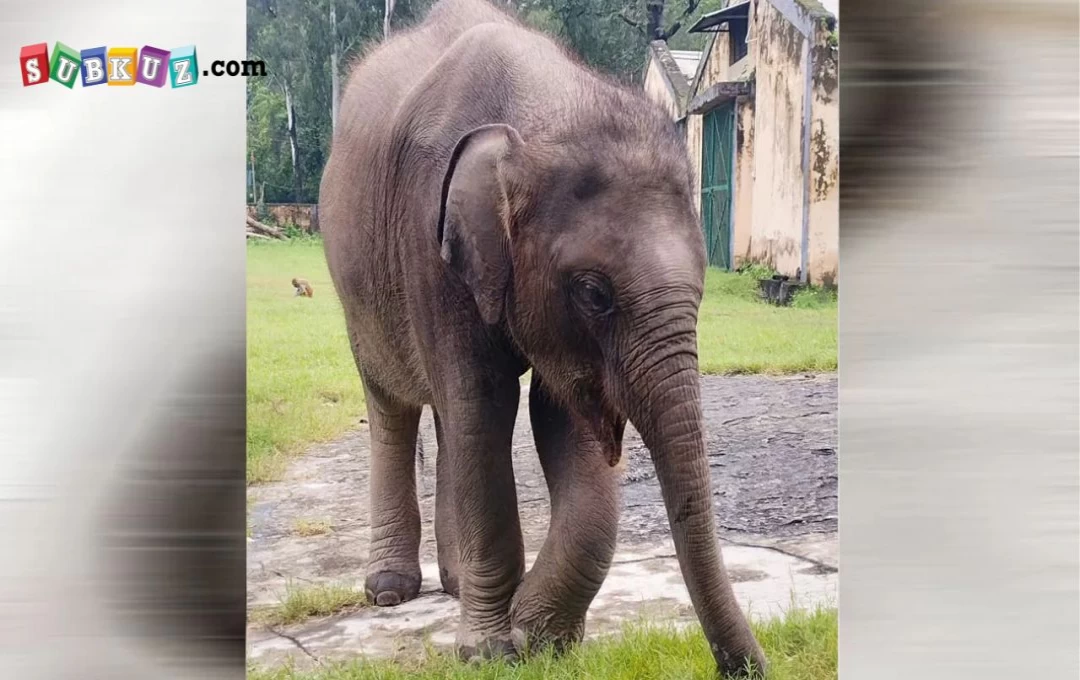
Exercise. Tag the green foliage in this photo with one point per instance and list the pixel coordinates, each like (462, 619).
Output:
(292, 231)
(814, 298)
(757, 271)
(684, 39)
(296, 39)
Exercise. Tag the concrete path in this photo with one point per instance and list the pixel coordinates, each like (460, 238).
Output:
(772, 451)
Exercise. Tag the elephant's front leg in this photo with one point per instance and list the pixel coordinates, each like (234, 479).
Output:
(478, 428)
(550, 605)
(393, 574)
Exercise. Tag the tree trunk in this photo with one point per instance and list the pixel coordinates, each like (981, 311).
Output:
(389, 12)
(654, 11)
(294, 143)
(262, 229)
(335, 77)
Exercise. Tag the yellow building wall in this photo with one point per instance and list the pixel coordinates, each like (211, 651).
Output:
(742, 226)
(769, 175)
(717, 68)
(778, 185)
(693, 145)
(823, 267)
(657, 88)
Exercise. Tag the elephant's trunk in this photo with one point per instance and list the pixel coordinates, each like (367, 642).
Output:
(666, 393)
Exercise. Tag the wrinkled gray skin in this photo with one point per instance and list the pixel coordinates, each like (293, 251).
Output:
(490, 205)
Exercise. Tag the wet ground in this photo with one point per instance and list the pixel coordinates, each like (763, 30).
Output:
(772, 451)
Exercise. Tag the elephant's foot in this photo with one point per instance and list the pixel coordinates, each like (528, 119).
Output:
(449, 579)
(472, 647)
(535, 635)
(388, 588)
(537, 625)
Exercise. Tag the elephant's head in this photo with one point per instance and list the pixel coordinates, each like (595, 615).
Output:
(586, 247)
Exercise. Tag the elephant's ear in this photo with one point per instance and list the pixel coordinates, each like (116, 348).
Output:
(472, 231)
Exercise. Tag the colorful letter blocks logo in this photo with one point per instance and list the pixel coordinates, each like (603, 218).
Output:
(153, 66)
(183, 67)
(34, 64)
(113, 66)
(94, 67)
(64, 66)
(121, 66)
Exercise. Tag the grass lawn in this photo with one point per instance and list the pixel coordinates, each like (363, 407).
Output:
(306, 601)
(303, 386)
(302, 381)
(800, 646)
(738, 333)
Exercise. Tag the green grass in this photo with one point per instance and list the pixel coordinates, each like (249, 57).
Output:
(799, 646)
(302, 381)
(304, 602)
(738, 333)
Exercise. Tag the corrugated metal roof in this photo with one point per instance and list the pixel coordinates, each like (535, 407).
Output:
(735, 10)
(687, 61)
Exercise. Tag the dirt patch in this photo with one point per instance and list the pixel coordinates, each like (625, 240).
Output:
(772, 451)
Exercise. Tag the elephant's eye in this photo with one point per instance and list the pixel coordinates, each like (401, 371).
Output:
(592, 294)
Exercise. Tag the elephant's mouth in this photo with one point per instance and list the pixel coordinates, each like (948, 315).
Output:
(610, 436)
(605, 428)
(592, 412)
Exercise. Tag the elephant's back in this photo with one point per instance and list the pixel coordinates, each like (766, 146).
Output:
(382, 78)
(360, 222)
(356, 174)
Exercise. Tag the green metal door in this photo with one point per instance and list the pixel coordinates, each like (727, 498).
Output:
(716, 183)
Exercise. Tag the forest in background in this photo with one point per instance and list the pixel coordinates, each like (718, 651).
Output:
(307, 46)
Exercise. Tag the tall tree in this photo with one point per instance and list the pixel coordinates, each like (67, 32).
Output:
(307, 46)
(294, 140)
(654, 18)
(389, 12)
(335, 68)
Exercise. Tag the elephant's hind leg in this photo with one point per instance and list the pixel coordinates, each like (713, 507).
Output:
(393, 574)
(550, 605)
(445, 531)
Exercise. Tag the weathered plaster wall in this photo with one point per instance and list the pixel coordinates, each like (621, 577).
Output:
(770, 178)
(823, 257)
(657, 88)
(716, 68)
(693, 145)
(778, 179)
(744, 180)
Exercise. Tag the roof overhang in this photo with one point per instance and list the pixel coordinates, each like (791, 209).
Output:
(711, 22)
(677, 82)
(719, 93)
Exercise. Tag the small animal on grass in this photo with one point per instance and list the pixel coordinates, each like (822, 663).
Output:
(303, 288)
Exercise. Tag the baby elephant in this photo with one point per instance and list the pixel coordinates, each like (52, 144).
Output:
(489, 206)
